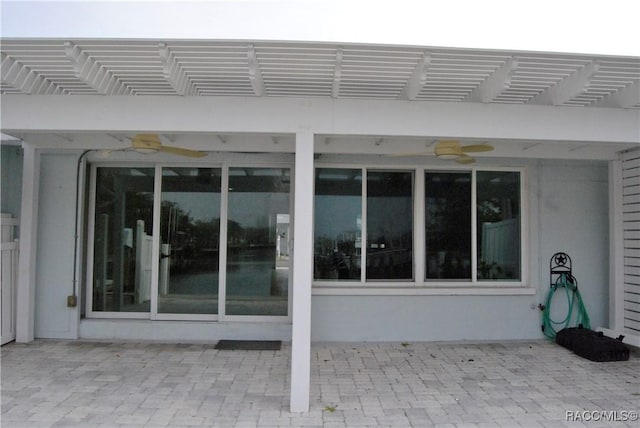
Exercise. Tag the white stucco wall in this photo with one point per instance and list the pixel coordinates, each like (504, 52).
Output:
(422, 318)
(182, 331)
(570, 206)
(574, 218)
(54, 257)
(569, 211)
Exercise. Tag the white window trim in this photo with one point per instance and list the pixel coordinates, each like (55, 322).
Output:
(222, 251)
(335, 290)
(89, 312)
(422, 286)
(155, 245)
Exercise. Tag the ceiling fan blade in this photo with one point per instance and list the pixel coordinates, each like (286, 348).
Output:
(477, 148)
(465, 159)
(181, 152)
(153, 143)
(146, 142)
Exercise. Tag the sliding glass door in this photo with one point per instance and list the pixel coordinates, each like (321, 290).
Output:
(189, 241)
(257, 274)
(123, 220)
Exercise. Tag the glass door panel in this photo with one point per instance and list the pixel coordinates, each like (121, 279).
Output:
(189, 248)
(257, 276)
(122, 242)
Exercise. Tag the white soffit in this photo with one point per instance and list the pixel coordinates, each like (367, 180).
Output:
(302, 69)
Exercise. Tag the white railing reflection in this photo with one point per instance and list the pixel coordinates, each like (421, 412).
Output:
(9, 276)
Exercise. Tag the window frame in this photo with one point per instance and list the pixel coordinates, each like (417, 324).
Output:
(224, 164)
(363, 215)
(91, 235)
(419, 284)
(524, 238)
(365, 226)
(363, 281)
(155, 272)
(472, 254)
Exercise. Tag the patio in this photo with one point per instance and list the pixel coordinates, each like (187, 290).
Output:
(533, 384)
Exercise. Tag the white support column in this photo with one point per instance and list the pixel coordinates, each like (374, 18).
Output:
(302, 273)
(25, 305)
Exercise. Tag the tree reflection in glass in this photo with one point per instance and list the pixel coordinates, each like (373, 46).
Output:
(448, 225)
(338, 224)
(257, 274)
(389, 225)
(190, 231)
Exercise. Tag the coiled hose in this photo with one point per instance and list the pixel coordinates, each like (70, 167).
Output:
(570, 286)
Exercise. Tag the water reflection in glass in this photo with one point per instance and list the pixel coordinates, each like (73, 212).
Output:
(338, 224)
(258, 242)
(190, 231)
(389, 225)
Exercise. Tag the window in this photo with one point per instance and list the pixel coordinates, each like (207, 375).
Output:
(338, 224)
(338, 243)
(389, 225)
(365, 217)
(448, 225)
(498, 225)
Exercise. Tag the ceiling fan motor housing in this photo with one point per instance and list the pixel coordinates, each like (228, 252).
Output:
(448, 149)
(149, 142)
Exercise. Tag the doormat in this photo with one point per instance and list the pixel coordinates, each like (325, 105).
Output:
(249, 345)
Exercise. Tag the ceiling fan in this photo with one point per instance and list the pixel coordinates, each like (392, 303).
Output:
(453, 150)
(151, 143)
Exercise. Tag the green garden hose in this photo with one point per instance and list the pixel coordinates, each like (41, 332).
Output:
(570, 286)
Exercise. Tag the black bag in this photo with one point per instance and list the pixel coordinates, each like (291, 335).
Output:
(593, 345)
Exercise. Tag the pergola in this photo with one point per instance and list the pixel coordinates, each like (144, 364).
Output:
(310, 99)
(288, 69)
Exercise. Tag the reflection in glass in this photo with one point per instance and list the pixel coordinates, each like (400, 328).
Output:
(498, 205)
(122, 243)
(258, 241)
(389, 225)
(448, 225)
(190, 232)
(338, 224)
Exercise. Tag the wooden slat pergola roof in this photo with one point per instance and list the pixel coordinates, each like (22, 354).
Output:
(303, 69)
